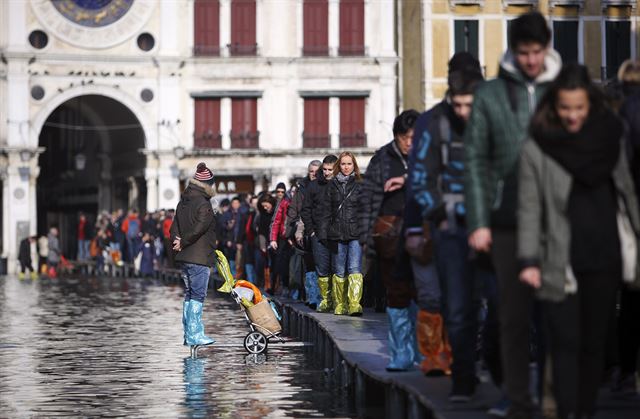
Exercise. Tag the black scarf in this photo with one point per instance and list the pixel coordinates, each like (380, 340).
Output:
(589, 155)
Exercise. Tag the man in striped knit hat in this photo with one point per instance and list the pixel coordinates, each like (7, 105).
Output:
(193, 234)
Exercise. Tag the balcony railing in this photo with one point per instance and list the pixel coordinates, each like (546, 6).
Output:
(238, 50)
(206, 50)
(356, 139)
(606, 3)
(245, 139)
(316, 140)
(466, 2)
(352, 50)
(207, 140)
(315, 50)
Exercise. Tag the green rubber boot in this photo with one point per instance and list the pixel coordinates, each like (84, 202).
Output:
(354, 294)
(324, 284)
(340, 295)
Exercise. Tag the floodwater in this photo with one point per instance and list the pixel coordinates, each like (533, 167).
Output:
(112, 347)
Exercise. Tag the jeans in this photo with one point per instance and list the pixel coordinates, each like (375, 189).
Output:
(132, 247)
(83, 249)
(460, 298)
(322, 257)
(250, 271)
(427, 284)
(346, 258)
(196, 281)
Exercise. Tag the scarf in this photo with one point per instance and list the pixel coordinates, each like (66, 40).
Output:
(589, 155)
(344, 179)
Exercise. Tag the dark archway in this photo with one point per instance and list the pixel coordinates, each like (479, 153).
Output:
(92, 162)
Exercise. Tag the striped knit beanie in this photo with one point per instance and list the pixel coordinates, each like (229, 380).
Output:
(204, 174)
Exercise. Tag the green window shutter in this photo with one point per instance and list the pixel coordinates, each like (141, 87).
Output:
(466, 36)
(565, 39)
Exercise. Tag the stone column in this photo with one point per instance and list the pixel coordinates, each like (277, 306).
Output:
(151, 175)
(334, 27)
(168, 181)
(225, 27)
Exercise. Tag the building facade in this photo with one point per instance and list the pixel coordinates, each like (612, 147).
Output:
(107, 104)
(598, 33)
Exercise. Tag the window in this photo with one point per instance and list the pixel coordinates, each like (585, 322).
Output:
(352, 132)
(206, 23)
(244, 124)
(207, 124)
(466, 36)
(351, 27)
(316, 123)
(618, 46)
(243, 28)
(565, 39)
(315, 28)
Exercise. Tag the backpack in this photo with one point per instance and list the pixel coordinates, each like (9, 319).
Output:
(134, 228)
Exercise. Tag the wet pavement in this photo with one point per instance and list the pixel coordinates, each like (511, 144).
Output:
(112, 347)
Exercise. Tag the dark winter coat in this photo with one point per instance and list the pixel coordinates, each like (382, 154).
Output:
(342, 212)
(378, 172)
(630, 112)
(311, 212)
(24, 253)
(148, 255)
(194, 223)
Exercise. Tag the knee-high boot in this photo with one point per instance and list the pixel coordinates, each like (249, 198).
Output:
(185, 316)
(340, 295)
(403, 350)
(195, 327)
(433, 343)
(354, 294)
(324, 284)
(311, 287)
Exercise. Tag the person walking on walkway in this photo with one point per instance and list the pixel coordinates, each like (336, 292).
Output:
(132, 228)
(193, 234)
(577, 210)
(493, 138)
(279, 243)
(312, 208)
(384, 198)
(24, 257)
(54, 256)
(342, 229)
(438, 187)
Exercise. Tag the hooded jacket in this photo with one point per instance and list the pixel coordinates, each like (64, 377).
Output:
(311, 212)
(194, 223)
(502, 109)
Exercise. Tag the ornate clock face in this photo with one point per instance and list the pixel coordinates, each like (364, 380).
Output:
(93, 13)
(93, 24)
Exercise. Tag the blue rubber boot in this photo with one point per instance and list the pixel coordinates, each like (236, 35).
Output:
(413, 318)
(402, 339)
(311, 286)
(195, 328)
(185, 316)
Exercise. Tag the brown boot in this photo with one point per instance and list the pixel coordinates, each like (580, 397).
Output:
(433, 344)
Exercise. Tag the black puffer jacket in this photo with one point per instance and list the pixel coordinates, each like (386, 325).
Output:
(342, 212)
(195, 224)
(312, 204)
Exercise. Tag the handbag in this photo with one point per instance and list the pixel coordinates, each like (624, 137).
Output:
(386, 232)
(628, 243)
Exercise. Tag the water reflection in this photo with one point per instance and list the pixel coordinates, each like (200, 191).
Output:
(112, 347)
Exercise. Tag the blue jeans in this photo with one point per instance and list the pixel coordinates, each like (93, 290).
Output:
(250, 271)
(132, 247)
(347, 258)
(196, 281)
(321, 257)
(459, 282)
(83, 249)
(429, 295)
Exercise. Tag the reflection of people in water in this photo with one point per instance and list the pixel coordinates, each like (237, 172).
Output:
(195, 387)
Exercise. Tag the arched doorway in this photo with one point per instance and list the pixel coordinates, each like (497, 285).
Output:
(92, 162)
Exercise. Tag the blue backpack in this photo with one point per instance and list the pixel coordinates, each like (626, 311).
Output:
(134, 229)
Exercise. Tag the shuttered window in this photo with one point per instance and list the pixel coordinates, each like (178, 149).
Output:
(466, 36)
(618, 46)
(315, 28)
(352, 133)
(207, 123)
(243, 27)
(244, 123)
(316, 123)
(565, 39)
(351, 27)
(206, 24)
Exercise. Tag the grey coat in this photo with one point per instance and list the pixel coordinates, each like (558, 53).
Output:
(544, 234)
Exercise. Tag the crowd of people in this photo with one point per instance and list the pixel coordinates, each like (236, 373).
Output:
(505, 218)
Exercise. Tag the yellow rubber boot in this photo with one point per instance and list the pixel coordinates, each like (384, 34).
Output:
(340, 295)
(34, 275)
(21, 275)
(325, 294)
(354, 294)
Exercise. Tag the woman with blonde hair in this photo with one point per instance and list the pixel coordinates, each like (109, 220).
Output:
(341, 228)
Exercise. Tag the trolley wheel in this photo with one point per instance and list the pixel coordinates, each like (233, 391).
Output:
(255, 342)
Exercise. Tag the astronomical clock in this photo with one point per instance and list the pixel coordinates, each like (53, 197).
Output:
(93, 24)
